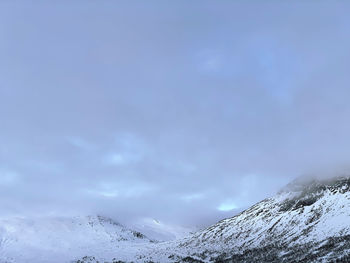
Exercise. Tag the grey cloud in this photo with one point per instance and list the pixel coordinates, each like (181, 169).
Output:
(168, 110)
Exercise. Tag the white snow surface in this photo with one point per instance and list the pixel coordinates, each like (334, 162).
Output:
(160, 231)
(315, 214)
(67, 239)
(62, 239)
(295, 216)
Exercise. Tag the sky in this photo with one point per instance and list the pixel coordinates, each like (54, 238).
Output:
(183, 111)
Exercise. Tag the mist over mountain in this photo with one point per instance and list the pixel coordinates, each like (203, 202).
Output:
(307, 221)
(151, 131)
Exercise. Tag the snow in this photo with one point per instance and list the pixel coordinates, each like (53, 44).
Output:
(62, 239)
(157, 230)
(293, 217)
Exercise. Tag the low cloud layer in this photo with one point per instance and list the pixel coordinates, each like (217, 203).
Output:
(179, 111)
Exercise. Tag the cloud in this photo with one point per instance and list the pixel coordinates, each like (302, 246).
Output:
(116, 159)
(8, 177)
(209, 61)
(80, 143)
(227, 206)
(168, 111)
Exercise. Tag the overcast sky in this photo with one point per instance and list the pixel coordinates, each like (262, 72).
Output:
(176, 110)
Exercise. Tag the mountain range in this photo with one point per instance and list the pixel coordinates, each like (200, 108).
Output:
(307, 221)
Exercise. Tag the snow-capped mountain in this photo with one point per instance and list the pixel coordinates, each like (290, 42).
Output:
(307, 221)
(85, 238)
(62, 239)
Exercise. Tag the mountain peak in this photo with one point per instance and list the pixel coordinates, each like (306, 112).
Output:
(310, 212)
(313, 184)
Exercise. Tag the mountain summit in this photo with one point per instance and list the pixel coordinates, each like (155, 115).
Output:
(308, 220)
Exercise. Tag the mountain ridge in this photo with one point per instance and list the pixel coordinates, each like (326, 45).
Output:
(307, 213)
(306, 221)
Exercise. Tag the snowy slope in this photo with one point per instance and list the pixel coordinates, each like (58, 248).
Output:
(307, 221)
(157, 230)
(52, 239)
(306, 213)
(68, 239)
